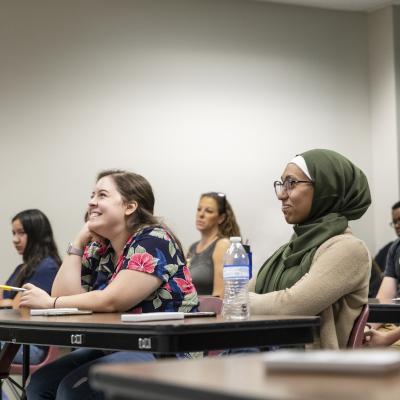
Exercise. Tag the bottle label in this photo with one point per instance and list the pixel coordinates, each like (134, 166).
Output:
(236, 272)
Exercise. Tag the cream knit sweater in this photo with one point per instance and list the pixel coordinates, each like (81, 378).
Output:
(335, 288)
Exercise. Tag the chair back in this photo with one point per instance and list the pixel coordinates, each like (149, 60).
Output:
(210, 303)
(357, 333)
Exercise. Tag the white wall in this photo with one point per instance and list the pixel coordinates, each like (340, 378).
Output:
(384, 127)
(195, 95)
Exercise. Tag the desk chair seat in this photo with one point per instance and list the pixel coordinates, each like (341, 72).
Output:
(357, 333)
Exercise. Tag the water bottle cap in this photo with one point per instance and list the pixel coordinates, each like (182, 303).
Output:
(235, 239)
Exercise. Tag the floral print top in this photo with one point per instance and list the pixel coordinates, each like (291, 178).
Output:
(153, 251)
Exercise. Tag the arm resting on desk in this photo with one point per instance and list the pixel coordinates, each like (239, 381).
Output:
(127, 289)
(374, 338)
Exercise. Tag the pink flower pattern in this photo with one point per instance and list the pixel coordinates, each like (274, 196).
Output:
(142, 262)
(153, 251)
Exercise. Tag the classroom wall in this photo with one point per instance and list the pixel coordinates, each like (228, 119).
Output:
(195, 95)
(384, 125)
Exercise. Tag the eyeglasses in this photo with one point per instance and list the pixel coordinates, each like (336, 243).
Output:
(394, 223)
(288, 185)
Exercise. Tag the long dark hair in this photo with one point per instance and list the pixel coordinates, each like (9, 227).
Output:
(229, 227)
(40, 242)
(135, 187)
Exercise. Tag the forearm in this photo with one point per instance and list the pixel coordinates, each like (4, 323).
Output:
(96, 300)
(127, 290)
(392, 336)
(68, 279)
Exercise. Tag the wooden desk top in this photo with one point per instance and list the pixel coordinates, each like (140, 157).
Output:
(236, 377)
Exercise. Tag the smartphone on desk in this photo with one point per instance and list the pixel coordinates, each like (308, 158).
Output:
(199, 314)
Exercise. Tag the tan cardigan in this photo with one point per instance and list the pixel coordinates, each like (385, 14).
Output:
(335, 288)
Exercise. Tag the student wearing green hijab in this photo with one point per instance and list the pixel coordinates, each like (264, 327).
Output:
(324, 269)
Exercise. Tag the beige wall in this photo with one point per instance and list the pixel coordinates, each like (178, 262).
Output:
(195, 95)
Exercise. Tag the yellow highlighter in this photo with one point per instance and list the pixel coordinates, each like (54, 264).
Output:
(12, 288)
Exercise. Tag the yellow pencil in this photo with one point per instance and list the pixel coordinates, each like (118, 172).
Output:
(17, 289)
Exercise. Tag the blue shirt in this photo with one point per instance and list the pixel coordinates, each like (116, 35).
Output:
(42, 277)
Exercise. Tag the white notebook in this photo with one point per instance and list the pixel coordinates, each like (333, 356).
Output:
(59, 311)
(163, 316)
(340, 361)
(154, 316)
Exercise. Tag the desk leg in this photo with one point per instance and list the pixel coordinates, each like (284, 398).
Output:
(25, 363)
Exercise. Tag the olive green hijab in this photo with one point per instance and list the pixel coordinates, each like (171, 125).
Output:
(341, 193)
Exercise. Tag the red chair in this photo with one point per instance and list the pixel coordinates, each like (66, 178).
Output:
(52, 354)
(211, 303)
(357, 333)
(16, 369)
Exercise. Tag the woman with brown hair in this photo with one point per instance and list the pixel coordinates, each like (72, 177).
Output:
(216, 223)
(121, 260)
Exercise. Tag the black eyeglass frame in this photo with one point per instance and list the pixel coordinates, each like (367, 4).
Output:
(290, 182)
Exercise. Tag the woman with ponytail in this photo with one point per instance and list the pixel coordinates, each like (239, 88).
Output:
(216, 223)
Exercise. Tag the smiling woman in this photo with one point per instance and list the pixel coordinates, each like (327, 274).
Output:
(122, 259)
(323, 270)
(296, 194)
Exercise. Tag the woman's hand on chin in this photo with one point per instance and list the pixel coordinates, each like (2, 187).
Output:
(35, 297)
(85, 236)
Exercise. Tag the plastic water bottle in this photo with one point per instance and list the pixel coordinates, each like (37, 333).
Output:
(236, 279)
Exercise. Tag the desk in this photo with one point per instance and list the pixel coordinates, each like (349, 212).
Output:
(106, 331)
(233, 378)
(385, 311)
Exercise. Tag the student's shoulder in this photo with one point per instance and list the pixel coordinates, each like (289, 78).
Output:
(345, 243)
(394, 246)
(48, 263)
(152, 235)
(222, 244)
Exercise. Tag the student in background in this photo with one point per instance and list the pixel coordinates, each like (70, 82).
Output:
(388, 334)
(216, 222)
(33, 239)
(324, 269)
(382, 254)
(121, 260)
(386, 255)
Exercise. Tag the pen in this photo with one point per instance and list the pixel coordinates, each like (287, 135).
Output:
(17, 289)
